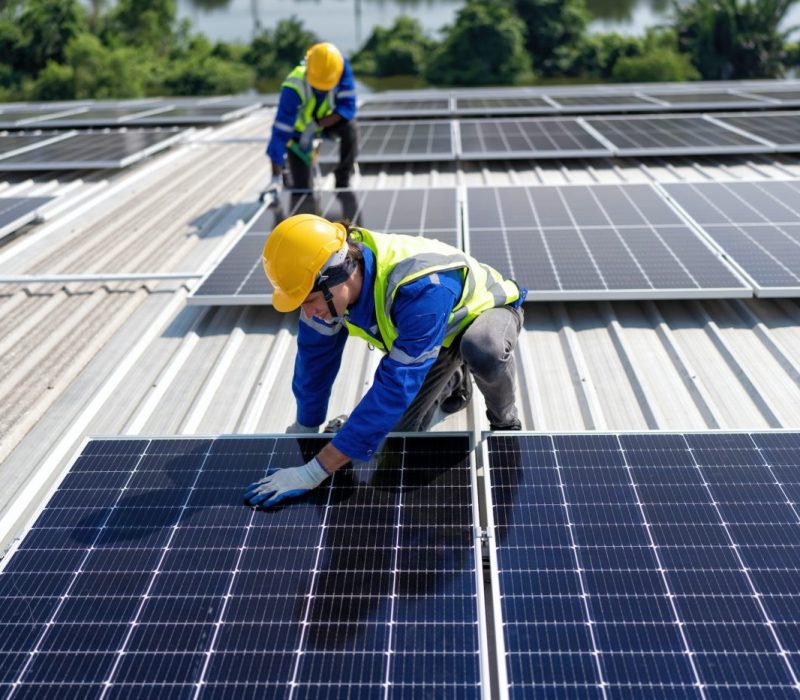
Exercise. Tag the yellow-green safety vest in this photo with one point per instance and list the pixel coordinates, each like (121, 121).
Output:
(296, 80)
(403, 259)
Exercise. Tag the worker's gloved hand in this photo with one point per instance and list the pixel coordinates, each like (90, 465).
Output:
(334, 425)
(280, 484)
(307, 137)
(297, 427)
(273, 189)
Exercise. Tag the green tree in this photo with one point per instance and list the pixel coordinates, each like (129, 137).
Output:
(45, 29)
(485, 46)
(734, 39)
(273, 53)
(197, 71)
(402, 49)
(555, 30)
(599, 53)
(659, 65)
(143, 23)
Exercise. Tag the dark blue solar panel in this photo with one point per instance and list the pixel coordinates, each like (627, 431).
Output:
(648, 565)
(144, 576)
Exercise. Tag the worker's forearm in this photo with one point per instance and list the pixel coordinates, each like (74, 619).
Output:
(276, 169)
(330, 120)
(332, 458)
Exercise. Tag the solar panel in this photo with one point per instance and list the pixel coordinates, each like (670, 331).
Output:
(503, 105)
(100, 117)
(391, 109)
(398, 141)
(646, 565)
(756, 224)
(704, 98)
(207, 114)
(594, 242)
(780, 128)
(527, 138)
(787, 97)
(15, 212)
(91, 150)
(239, 277)
(145, 576)
(605, 103)
(15, 142)
(24, 118)
(672, 135)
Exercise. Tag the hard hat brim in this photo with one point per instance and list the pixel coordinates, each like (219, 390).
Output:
(284, 302)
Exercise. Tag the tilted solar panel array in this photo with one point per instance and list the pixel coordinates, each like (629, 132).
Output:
(398, 141)
(82, 151)
(144, 576)
(647, 565)
(594, 242)
(239, 277)
(756, 224)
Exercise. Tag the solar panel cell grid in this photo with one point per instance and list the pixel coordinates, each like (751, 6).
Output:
(628, 566)
(592, 242)
(780, 129)
(757, 224)
(671, 135)
(166, 582)
(526, 138)
(397, 141)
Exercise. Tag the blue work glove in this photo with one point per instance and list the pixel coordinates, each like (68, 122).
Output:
(280, 484)
(297, 427)
(307, 137)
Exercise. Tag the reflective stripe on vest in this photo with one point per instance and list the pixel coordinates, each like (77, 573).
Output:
(296, 80)
(403, 259)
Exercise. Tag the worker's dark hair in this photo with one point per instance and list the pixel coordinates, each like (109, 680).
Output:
(354, 252)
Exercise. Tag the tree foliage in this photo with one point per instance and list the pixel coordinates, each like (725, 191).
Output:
(402, 49)
(734, 39)
(555, 29)
(659, 65)
(485, 46)
(273, 53)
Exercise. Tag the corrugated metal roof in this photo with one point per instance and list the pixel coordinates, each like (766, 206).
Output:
(130, 358)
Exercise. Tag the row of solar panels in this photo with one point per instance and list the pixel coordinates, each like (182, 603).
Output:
(16, 212)
(124, 113)
(72, 150)
(642, 565)
(528, 101)
(574, 137)
(570, 242)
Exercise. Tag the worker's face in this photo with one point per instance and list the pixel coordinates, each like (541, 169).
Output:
(315, 304)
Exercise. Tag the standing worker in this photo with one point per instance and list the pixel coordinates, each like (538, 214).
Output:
(318, 98)
(437, 313)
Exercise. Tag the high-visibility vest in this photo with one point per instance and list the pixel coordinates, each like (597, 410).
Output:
(297, 81)
(403, 259)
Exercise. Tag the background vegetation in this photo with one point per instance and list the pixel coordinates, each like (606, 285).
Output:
(58, 49)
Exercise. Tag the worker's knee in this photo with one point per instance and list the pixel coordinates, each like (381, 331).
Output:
(486, 357)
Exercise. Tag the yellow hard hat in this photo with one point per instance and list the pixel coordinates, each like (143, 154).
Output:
(324, 64)
(295, 253)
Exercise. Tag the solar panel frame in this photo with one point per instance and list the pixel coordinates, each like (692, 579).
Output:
(385, 108)
(16, 212)
(650, 135)
(13, 144)
(552, 137)
(179, 115)
(760, 249)
(468, 105)
(672, 259)
(410, 558)
(784, 98)
(239, 273)
(608, 496)
(634, 101)
(376, 137)
(115, 155)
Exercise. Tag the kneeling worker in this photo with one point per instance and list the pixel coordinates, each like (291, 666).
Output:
(318, 98)
(437, 313)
